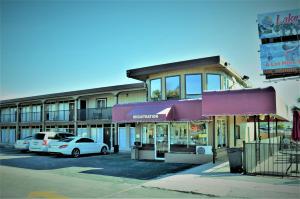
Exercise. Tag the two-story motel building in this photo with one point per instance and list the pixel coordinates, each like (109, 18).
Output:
(180, 112)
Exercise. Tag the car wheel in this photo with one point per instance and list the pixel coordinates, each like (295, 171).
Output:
(104, 150)
(76, 153)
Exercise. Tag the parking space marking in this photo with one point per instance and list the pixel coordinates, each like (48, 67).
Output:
(45, 194)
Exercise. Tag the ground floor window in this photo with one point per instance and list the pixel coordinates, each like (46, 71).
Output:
(198, 134)
(148, 134)
(221, 133)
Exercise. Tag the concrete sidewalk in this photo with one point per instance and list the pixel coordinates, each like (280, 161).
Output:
(216, 180)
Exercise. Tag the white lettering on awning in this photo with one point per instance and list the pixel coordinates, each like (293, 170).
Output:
(145, 116)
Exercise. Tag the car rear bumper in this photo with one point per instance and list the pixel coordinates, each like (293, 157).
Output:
(21, 147)
(38, 148)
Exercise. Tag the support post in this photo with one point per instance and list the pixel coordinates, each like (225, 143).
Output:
(276, 127)
(17, 117)
(254, 127)
(214, 139)
(43, 115)
(268, 117)
(75, 116)
(258, 125)
(234, 130)
(244, 157)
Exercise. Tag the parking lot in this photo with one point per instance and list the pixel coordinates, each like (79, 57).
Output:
(118, 165)
(30, 175)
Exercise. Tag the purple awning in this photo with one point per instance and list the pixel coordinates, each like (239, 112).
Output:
(240, 102)
(171, 110)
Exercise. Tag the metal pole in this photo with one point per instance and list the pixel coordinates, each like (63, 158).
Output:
(234, 130)
(268, 116)
(214, 140)
(254, 127)
(258, 125)
(244, 157)
(276, 126)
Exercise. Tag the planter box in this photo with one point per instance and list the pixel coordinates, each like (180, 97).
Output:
(188, 158)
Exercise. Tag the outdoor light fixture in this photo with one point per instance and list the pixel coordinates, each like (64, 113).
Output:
(245, 78)
(261, 117)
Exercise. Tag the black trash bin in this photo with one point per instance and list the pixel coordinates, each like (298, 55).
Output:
(235, 160)
(116, 149)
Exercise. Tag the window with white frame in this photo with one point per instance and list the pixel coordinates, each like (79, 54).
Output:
(198, 134)
(148, 134)
(101, 103)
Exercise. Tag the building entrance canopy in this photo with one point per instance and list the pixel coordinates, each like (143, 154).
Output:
(171, 110)
(245, 102)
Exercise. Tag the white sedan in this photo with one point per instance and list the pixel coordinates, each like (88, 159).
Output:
(23, 144)
(76, 146)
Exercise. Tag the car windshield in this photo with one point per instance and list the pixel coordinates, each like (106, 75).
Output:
(66, 140)
(39, 136)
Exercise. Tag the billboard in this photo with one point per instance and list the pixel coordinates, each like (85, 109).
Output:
(278, 24)
(280, 55)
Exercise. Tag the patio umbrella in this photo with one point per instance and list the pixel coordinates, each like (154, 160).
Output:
(296, 126)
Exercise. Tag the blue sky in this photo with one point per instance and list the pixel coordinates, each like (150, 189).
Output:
(56, 46)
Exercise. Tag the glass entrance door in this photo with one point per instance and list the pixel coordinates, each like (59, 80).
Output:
(161, 141)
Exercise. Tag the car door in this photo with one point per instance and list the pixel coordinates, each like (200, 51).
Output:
(82, 145)
(92, 146)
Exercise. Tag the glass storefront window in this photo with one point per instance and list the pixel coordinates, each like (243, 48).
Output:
(221, 133)
(178, 134)
(148, 134)
(193, 86)
(198, 134)
(213, 82)
(173, 87)
(155, 88)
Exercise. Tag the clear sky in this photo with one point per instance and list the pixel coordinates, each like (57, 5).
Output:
(56, 46)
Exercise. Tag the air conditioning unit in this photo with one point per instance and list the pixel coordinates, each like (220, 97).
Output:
(207, 150)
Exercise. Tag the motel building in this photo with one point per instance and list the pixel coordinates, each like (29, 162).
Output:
(184, 112)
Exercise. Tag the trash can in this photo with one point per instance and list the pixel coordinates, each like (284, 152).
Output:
(235, 160)
(116, 148)
(135, 153)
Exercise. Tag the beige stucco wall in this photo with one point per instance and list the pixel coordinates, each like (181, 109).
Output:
(146, 155)
(92, 100)
(132, 96)
(246, 130)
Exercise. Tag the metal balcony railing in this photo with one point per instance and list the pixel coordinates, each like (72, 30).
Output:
(8, 118)
(30, 117)
(94, 114)
(61, 115)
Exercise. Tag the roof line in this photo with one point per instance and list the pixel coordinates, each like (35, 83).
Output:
(72, 93)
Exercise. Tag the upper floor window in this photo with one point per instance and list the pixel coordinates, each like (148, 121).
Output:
(173, 87)
(155, 89)
(193, 86)
(213, 82)
(101, 103)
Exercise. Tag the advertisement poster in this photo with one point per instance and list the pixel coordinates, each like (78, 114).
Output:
(280, 55)
(279, 24)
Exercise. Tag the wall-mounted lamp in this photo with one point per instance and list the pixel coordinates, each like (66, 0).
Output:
(261, 117)
(245, 78)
